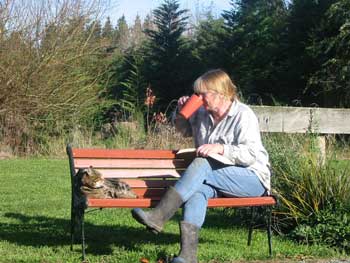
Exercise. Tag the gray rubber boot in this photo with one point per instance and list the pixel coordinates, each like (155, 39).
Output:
(165, 209)
(189, 244)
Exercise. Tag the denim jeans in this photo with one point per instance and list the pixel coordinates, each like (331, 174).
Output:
(206, 178)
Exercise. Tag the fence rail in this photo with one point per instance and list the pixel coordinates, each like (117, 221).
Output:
(302, 120)
(321, 121)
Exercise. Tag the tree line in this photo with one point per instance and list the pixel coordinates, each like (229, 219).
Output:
(62, 66)
(294, 53)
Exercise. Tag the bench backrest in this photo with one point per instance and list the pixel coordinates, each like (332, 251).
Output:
(148, 172)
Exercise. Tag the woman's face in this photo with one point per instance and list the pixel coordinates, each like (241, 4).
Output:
(212, 101)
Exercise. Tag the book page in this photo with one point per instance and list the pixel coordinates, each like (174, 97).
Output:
(221, 158)
(190, 153)
(187, 150)
(187, 154)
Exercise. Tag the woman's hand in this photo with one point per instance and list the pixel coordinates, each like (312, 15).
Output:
(206, 149)
(182, 101)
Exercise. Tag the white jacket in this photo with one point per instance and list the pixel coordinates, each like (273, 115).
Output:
(238, 132)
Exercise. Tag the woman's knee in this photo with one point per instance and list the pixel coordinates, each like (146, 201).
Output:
(193, 178)
(199, 163)
(204, 193)
(196, 198)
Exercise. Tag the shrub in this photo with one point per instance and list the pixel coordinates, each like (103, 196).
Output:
(329, 226)
(51, 71)
(313, 193)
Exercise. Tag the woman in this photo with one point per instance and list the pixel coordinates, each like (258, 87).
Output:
(225, 126)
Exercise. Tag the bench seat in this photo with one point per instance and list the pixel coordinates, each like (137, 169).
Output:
(150, 202)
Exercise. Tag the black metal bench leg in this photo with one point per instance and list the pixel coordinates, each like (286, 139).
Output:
(268, 225)
(250, 232)
(82, 237)
(72, 229)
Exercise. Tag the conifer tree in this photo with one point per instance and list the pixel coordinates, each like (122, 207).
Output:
(148, 23)
(304, 19)
(122, 34)
(253, 47)
(168, 54)
(207, 37)
(330, 50)
(107, 30)
(94, 30)
(137, 35)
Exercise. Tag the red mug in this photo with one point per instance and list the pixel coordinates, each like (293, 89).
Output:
(191, 106)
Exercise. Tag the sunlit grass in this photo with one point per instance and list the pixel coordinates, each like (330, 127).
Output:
(35, 216)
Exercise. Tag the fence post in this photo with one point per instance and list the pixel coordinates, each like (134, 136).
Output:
(321, 142)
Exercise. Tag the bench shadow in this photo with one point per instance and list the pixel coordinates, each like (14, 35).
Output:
(38, 231)
(226, 218)
(223, 218)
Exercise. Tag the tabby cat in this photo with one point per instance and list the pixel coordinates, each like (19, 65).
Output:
(93, 185)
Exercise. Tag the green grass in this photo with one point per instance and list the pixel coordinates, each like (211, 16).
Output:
(35, 217)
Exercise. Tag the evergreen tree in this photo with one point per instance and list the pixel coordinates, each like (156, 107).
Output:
(107, 30)
(133, 87)
(253, 47)
(122, 34)
(330, 50)
(304, 18)
(168, 56)
(148, 23)
(137, 35)
(207, 48)
(94, 30)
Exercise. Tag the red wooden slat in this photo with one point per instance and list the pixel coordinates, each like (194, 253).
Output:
(126, 203)
(122, 154)
(241, 201)
(134, 183)
(216, 202)
(138, 173)
(149, 193)
(129, 163)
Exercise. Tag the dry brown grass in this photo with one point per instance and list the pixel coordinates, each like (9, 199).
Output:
(164, 136)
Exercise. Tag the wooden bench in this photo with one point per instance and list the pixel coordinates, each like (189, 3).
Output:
(149, 173)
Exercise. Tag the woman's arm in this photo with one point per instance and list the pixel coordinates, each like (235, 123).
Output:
(244, 150)
(183, 126)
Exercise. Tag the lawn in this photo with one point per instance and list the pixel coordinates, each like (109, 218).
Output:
(35, 218)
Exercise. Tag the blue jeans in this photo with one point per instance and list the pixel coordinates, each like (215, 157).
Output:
(207, 178)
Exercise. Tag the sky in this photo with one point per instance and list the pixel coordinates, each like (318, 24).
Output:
(131, 8)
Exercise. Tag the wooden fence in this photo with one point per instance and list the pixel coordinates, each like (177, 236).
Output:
(321, 121)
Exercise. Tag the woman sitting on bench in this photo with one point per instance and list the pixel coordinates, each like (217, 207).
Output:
(225, 126)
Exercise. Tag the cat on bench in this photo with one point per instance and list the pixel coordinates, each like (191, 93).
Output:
(93, 185)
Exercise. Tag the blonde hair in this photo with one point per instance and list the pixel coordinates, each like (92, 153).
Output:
(218, 81)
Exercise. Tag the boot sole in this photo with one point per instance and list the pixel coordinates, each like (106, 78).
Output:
(141, 217)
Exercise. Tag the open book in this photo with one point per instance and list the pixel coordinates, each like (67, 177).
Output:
(190, 153)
